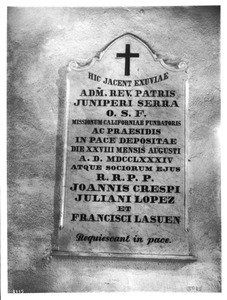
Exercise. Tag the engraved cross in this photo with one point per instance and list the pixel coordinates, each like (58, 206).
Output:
(127, 55)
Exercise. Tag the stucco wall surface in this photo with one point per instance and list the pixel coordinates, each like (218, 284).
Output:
(40, 42)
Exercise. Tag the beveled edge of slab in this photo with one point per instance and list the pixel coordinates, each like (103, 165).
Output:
(185, 258)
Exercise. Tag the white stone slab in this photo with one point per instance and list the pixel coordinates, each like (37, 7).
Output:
(124, 179)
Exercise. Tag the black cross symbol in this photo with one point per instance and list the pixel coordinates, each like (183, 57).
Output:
(127, 55)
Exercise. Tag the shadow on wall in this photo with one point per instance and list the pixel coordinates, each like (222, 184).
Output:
(61, 84)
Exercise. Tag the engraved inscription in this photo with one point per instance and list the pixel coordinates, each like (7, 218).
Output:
(124, 179)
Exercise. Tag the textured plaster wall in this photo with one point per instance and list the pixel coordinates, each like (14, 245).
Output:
(40, 42)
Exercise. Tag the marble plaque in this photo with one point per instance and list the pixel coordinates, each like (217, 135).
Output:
(124, 173)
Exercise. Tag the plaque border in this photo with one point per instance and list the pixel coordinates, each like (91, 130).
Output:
(185, 258)
(81, 65)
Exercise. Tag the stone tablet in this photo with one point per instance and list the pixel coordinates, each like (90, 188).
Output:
(124, 186)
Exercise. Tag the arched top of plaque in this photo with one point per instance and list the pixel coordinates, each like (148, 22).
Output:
(127, 51)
